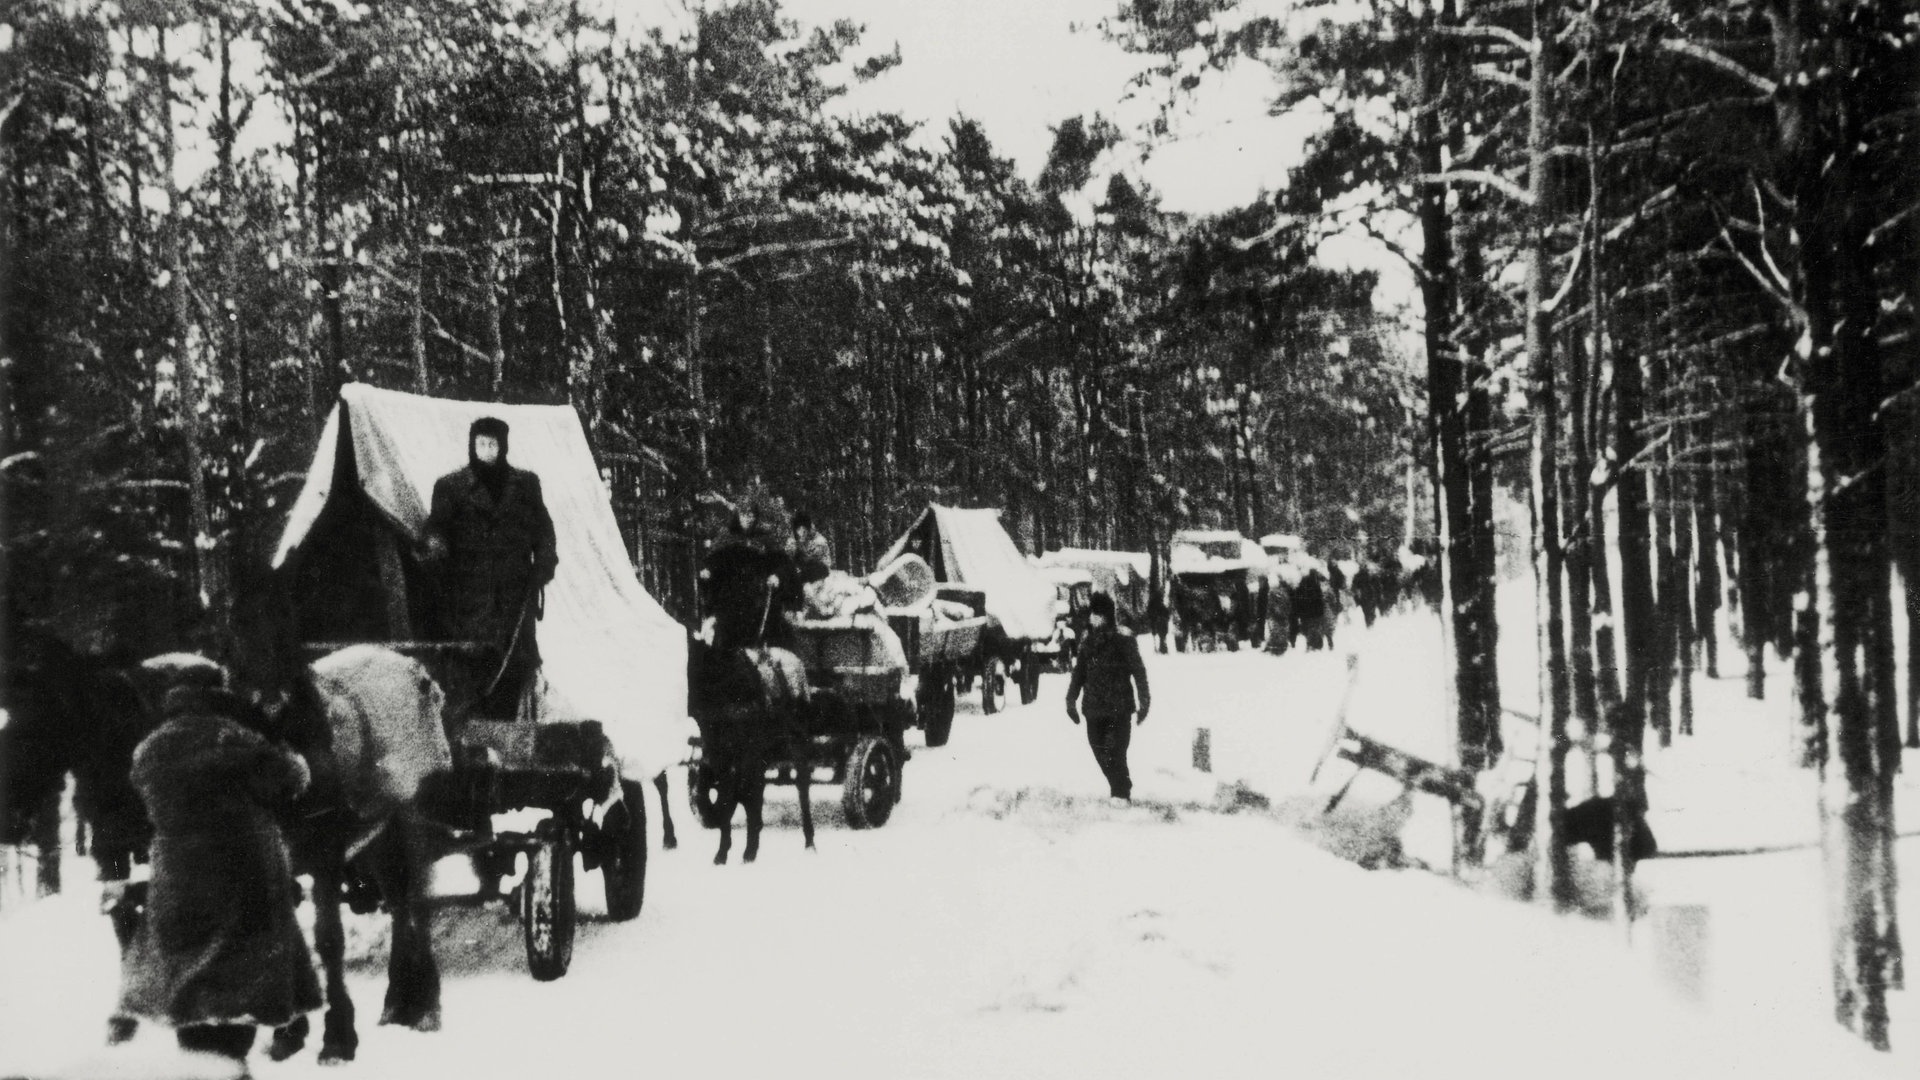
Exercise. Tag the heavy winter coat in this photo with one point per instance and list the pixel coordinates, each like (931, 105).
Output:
(500, 551)
(220, 944)
(1106, 671)
(734, 588)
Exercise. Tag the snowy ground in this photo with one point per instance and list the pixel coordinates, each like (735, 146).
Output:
(1007, 922)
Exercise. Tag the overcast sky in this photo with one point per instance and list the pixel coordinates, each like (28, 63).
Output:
(1020, 67)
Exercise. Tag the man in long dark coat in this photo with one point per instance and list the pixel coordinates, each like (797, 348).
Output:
(490, 528)
(1107, 670)
(749, 582)
(220, 950)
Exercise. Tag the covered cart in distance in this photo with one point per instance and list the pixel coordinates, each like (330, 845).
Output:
(1072, 604)
(1127, 576)
(1214, 594)
(976, 564)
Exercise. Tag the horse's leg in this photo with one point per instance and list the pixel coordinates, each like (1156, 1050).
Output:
(753, 795)
(667, 839)
(339, 1041)
(726, 796)
(413, 978)
(803, 779)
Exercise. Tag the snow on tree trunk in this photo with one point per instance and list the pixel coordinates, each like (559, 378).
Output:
(1822, 112)
(1680, 498)
(1706, 593)
(1476, 694)
(1555, 869)
(210, 580)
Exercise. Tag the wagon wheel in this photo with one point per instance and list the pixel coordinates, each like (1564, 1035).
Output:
(936, 707)
(1030, 679)
(703, 794)
(993, 686)
(624, 866)
(873, 777)
(547, 914)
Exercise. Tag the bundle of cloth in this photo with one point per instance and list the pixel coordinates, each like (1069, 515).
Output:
(902, 587)
(839, 595)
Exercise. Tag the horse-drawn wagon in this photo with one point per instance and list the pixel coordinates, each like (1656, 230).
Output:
(976, 566)
(853, 715)
(556, 777)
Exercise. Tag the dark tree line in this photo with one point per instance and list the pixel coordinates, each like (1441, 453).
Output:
(218, 211)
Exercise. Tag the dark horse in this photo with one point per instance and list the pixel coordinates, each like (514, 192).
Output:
(748, 696)
(750, 707)
(364, 718)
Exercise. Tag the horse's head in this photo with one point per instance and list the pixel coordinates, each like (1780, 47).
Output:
(732, 694)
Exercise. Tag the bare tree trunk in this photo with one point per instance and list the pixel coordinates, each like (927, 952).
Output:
(417, 327)
(1478, 722)
(1680, 495)
(1839, 364)
(1555, 868)
(208, 555)
(490, 298)
(1666, 572)
(1581, 544)
(1706, 594)
(1758, 535)
(1589, 403)
(1628, 722)
(1911, 582)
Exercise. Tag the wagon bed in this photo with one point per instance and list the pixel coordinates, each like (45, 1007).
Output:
(566, 767)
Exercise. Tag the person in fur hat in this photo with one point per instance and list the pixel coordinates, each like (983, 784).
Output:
(1107, 670)
(219, 952)
(748, 581)
(490, 532)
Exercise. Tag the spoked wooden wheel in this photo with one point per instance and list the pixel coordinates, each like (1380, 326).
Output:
(547, 913)
(873, 774)
(624, 865)
(993, 686)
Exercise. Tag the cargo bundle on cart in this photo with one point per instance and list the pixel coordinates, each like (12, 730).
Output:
(559, 774)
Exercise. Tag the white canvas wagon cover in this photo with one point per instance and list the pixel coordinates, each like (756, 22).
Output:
(609, 651)
(974, 550)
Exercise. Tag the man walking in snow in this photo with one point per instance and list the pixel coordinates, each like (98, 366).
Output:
(1107, 670)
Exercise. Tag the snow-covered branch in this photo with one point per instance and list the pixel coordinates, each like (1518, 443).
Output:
(1713, 59)
(1480, 32)
(783, 248)
(1481, 176)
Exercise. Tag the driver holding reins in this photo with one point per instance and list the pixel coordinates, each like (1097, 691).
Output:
(490, 532)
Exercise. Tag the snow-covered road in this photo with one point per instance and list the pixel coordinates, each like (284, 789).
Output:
(1008, 922)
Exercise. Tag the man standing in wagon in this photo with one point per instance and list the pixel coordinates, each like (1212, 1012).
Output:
(490, 533)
